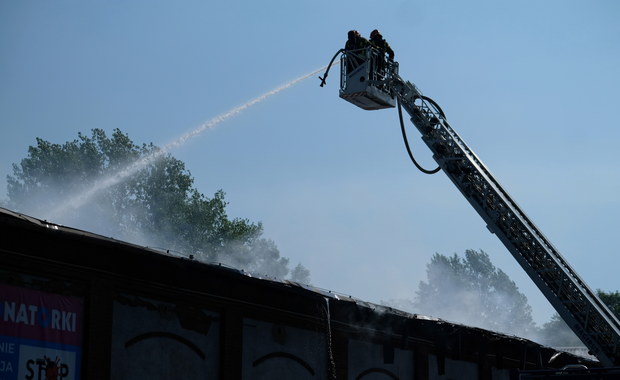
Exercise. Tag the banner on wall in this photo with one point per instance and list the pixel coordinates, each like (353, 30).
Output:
(40, 335)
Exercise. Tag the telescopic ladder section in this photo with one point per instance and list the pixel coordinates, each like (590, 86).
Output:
(579, 307)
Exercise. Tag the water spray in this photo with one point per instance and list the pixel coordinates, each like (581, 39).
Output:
(78, 200)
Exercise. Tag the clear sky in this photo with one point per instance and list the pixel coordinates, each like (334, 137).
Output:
(532, 87)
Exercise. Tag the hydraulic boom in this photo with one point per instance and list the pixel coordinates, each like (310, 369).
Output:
(374, 84)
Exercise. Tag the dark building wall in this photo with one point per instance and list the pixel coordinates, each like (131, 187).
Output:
(147, 315)
(153, 339)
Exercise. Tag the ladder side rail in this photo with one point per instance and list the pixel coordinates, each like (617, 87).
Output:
(552, 250)
(515, 206)
(488, 203)
(592, 321)
(481, 168)
(566, 268)
(559, 258)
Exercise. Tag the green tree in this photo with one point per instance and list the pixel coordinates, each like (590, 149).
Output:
(156, 206)
(611, 299)
(472, 291)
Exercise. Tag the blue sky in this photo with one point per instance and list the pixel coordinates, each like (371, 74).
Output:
(531, 86)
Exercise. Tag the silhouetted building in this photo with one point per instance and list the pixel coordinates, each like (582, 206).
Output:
(78, 305)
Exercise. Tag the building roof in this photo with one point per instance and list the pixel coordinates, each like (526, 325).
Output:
(38, 247)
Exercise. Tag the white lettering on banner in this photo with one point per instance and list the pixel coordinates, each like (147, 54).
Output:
(9, 311)
(68, 321)
(33, 311)
(31, 315)
(22, 316)
(6, 366)
(7, 348)
(56, 319)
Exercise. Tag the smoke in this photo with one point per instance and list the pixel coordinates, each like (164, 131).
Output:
(468, 310)
(473, 292)
(253, 254)
(78, 200)
(88, 203)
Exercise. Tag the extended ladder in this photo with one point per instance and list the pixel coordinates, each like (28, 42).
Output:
(579, 307)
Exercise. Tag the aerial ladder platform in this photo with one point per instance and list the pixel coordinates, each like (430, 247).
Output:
(371, 81)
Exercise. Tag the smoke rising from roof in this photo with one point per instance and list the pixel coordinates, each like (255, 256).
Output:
(87, 202)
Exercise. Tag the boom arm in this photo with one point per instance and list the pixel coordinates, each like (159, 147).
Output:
(579, 307)
(374, 83)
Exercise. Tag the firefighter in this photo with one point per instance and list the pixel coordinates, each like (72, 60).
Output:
(380, 44)
(377, 40)
(354, 43)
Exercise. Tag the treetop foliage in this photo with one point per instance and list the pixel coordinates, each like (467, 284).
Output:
(157, 206)
(471, 290)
